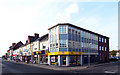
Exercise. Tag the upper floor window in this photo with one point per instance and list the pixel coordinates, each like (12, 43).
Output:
(72, 31)
(69, 31)
(105, 49)
(62, 29)
(102, 39)
(99, 39)
(102, 48)
(63, 43)
(105, 41)
(99, 47)
(35, 48)
(43, 46)
(69, 44)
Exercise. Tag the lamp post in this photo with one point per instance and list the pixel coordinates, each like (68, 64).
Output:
(89, 55)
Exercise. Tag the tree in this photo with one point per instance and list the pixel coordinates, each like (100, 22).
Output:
(113, 53)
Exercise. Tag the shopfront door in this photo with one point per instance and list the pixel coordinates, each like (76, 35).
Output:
(63, 60)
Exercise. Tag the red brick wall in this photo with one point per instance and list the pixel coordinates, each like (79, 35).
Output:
(103, 55)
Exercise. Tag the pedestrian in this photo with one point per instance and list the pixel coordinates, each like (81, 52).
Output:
(27, 60)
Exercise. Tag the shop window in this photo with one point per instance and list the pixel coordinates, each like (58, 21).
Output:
(73, 60)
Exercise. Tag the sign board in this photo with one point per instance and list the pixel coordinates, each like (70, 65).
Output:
(53, 59)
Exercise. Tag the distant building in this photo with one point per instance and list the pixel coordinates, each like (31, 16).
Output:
(14, 53)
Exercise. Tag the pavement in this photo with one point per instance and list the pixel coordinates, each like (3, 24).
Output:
(0, 66)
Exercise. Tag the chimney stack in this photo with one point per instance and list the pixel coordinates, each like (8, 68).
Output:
(26, 41)
(36, 34)
(13, 44)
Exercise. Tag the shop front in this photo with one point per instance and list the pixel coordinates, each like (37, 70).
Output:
(65, 58)
(40, 57)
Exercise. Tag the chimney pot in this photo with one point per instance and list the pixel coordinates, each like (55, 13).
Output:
(36, 34)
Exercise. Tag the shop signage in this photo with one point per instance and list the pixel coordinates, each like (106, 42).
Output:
(53, 59)
(75, 52)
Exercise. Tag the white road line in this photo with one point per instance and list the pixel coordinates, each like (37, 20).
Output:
(108, 72)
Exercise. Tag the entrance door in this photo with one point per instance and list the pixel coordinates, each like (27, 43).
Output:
(63, 60)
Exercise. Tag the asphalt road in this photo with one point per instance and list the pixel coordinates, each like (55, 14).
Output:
(11, 67)
(112, 68)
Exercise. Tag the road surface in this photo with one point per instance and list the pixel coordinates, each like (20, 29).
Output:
(12, 67)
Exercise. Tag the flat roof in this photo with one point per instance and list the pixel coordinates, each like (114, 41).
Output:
(77, 28)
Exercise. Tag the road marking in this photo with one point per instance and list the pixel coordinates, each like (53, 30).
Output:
(108, 72)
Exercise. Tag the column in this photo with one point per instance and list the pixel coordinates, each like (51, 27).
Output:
(67, 60)
(38, 58)
(81, 60)
(59, 60)
(31, 58)
(88, 59)
(49, 60)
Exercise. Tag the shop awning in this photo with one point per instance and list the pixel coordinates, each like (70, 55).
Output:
(14, 55)
(40, 52)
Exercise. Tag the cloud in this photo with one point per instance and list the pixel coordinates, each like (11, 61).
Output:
(18, 19)
(65, 16)
(99, 25)
(86, 0)
(90, 22)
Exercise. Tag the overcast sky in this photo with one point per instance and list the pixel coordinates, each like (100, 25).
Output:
(20, 18)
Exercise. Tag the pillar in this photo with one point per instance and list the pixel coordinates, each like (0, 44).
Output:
(31, 58)
(39, 59)
(89, 60)
(49, 60)
(67, 60)
(81, 60)
(59, 60)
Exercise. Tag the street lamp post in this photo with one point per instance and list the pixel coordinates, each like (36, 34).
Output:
(89, 55)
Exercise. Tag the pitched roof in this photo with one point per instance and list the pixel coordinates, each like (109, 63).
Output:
(19, 44)
(32, 38)
(44, 37)
(77, 28)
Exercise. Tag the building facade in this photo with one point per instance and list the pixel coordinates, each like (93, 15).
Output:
(40, 50)
(72, 45)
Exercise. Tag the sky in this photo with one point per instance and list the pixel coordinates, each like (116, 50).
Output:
(20, 18)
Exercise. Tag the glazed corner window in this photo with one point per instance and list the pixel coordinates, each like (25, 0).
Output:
(62, 29)
(63, 43)
(99, 39)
